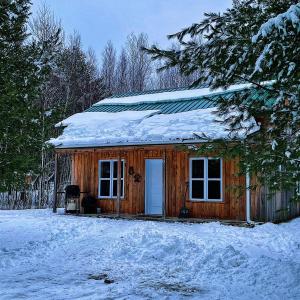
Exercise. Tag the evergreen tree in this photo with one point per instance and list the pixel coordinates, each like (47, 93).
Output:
(254, 41)
(21, 74)
(46, 31)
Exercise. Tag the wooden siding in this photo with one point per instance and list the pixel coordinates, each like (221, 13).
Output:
(275, 207)
(85, 174)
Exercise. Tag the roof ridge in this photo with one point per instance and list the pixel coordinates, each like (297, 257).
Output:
(213, 94)
(173, 106)
(155, 91)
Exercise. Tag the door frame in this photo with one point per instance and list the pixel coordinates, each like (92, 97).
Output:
(163, 186)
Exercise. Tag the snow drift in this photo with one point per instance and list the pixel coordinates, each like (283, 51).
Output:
(48, 256)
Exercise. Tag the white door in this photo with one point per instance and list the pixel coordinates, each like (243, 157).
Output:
(154, 187)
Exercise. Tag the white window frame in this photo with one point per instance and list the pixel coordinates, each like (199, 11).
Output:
(111, 179)
(206, 179)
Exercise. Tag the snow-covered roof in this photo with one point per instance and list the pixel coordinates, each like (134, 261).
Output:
(94, 129)
(127, 120)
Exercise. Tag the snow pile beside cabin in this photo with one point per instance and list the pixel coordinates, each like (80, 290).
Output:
(134, 127)
(48, 256)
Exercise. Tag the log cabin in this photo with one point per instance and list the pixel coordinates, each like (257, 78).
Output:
(129, 152)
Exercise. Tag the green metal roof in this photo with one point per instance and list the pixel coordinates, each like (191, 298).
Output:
(164, 107)
(174, 106)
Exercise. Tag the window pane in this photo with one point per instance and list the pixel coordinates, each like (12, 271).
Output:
(105, 169)
(115, 188)
(104, 188)
(214, 189)
(116, 169)
(197, 189)
(214, 168)
(197, 168)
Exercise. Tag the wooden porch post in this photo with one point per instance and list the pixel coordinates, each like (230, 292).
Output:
(55, 184)
(119, 186)
(165, 183)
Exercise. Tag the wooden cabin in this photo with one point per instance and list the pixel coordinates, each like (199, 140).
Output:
(133, 152)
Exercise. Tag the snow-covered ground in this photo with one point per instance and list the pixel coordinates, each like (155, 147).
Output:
(47, 256)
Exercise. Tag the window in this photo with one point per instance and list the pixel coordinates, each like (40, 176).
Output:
(108, 179)
(206, 179)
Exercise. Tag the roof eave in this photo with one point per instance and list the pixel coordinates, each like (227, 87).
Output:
(141, 143)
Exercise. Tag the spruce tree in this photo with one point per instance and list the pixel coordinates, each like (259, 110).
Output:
(254, 41)
(22, 71)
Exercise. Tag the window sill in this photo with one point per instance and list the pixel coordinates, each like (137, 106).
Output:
(206, 201)
(113, 199)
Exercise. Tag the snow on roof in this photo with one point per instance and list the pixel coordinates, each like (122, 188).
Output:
(170, 96)
(109, 120)
(92, 129)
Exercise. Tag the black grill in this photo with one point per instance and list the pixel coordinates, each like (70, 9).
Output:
(72, 191)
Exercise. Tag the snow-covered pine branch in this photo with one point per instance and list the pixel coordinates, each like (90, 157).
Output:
(254, 41)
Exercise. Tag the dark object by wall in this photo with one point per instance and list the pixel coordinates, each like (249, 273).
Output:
(89, 205)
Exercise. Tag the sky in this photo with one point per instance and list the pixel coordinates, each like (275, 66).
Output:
(98, 21)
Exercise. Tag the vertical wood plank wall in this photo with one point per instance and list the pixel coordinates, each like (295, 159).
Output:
(85, 174)
(275, 207)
